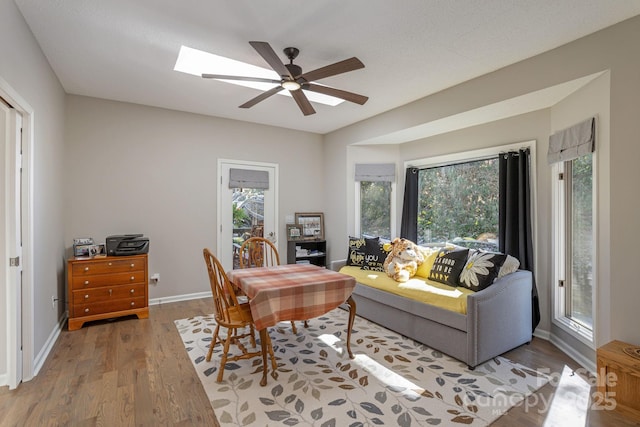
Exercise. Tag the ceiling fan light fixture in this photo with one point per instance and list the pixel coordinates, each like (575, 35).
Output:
(197, 62)
(290, 85)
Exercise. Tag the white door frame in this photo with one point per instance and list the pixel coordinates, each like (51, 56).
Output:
(223, 237)
(27, 306)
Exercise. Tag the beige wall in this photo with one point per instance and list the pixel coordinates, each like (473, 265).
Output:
(26, 70)
(612, 49)
(129, 168)
(136, 169)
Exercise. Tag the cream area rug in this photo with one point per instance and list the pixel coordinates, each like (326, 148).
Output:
(392, 381)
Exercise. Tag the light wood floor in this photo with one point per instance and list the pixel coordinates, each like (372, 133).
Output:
(136, 372)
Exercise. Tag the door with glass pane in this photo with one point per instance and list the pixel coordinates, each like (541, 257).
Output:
(247, 203)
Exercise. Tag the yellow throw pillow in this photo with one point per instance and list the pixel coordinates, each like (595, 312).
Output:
(430, 255)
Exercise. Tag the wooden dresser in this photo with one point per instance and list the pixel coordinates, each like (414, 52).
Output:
(102, 288)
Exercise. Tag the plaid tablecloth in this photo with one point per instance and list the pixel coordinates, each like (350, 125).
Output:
(291, 291)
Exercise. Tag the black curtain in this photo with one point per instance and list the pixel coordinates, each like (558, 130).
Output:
(514, 230)
(409, 224)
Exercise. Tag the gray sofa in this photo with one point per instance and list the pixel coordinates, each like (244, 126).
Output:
(498, 318)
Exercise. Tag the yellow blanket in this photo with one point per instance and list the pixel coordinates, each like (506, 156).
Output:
(417, 288)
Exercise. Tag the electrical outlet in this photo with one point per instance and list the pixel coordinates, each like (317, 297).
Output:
(155, 278)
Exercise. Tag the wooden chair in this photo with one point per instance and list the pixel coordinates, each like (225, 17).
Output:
(231, 315)
(261, 252)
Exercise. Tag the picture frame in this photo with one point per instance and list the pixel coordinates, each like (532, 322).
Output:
(81, 250)
(81, 246)
(311, 225)
(294, 232)
(97, 251)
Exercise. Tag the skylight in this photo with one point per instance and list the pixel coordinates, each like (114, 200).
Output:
(197, 62)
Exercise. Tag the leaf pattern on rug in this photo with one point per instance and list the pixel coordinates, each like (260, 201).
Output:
(393, 380)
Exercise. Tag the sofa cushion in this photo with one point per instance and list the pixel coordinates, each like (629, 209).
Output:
(481, 269)
(374, 255)
(355, 252)
(416, 288)
(511, 265)
(448, 265)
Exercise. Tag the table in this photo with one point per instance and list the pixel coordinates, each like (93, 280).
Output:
(293, 292)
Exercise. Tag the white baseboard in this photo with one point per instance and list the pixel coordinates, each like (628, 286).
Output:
(176, 298)
(566, 349)
(569, 351)
(53, 336)
(542, 334)
(48, 345)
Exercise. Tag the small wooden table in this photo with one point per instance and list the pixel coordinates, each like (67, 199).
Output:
(293, 292)
(619, 378)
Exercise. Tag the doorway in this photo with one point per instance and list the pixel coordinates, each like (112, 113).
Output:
(16, 218)
(247, 206)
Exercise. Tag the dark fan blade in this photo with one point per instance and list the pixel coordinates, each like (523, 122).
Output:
(342, 94)
(267, 53)
(261, 97)
(303, 102)
(333, 69)
(245, 79)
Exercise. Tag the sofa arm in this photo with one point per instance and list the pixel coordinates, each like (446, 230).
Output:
(337, 265)
(499, 317)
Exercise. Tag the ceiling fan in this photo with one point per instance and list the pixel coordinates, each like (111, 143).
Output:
(293, 79)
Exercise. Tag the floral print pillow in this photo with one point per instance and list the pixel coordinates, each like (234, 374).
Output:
(481, 269)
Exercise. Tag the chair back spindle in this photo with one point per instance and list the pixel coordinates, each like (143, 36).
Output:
(258, 252)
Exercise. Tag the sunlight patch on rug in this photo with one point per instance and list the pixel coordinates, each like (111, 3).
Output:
(392, 381)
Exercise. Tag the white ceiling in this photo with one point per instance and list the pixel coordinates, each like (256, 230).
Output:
(125, 50)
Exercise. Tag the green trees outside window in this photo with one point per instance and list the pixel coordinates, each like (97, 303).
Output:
(375, 209)
(459, 203)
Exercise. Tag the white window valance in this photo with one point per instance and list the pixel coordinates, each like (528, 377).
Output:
(573, 142)
(375, 172)
(248, 178)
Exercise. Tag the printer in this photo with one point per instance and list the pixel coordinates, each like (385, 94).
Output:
(127, 244)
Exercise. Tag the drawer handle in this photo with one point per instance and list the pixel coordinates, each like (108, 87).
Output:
(110, 264)
(110, 292)
(86, 310)
(86, 269)
(86, 296)
(86, 282)
(133, 278)
(132, 303)
(132, 265)
(131, 291)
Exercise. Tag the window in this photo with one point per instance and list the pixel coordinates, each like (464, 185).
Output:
(571, 154)
(375, 209)
(575, 250)
(375, 206)
(458, 202)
